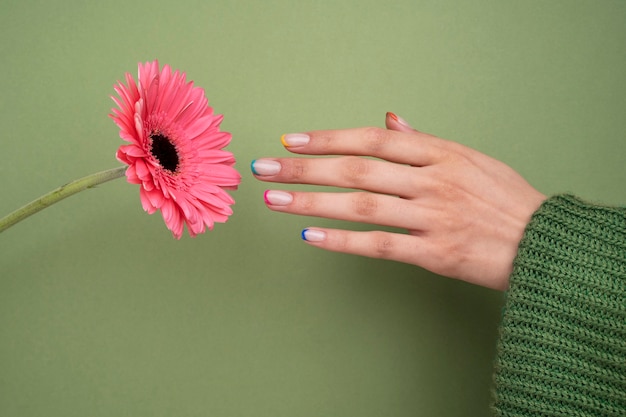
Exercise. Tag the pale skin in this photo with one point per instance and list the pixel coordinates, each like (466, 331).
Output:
(464, 213)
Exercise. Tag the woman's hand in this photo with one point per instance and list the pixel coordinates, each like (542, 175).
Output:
(465, 212)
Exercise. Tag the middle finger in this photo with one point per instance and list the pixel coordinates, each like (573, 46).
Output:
(346, 172)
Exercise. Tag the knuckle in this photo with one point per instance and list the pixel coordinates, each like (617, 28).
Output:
(297, 169)
(382, 245)
(307, 202)
(376, 138)
(448, 190)
(444, 184)
(354, 169)
(321, 139)
(364, 204)
(455, 154)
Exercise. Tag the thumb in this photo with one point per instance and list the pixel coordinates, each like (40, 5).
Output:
(394, 122)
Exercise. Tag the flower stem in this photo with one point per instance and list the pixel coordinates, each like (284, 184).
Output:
(59, 194)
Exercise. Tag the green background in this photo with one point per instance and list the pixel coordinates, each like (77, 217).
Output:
(103, 313)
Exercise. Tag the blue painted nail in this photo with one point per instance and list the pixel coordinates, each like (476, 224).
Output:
(311, 235)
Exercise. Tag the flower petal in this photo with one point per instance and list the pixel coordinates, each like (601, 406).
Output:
(190, 188)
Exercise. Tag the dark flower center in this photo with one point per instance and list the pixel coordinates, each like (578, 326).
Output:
(164, 151)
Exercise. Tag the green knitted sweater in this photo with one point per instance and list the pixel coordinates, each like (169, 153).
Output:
(562, 346)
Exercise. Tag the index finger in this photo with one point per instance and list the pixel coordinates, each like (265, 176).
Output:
(412, 148)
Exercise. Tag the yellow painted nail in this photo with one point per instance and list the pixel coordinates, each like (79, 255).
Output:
(294, 139)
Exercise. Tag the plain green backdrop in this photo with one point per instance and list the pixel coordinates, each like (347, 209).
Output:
(103, 313)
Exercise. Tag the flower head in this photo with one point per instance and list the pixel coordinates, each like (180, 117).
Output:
(175, 150)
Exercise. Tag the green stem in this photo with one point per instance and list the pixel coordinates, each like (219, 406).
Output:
(59, 194)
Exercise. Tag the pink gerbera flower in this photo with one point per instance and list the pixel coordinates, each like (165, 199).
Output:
(175, 149)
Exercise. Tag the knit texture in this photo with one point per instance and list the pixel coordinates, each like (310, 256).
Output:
(562, 346)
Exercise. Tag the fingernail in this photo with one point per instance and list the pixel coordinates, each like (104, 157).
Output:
(399, 119)
(277, 198)
(311, 235)
(294, 139)
(265, 167)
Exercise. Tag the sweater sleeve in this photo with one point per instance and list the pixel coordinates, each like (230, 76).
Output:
(562, 343)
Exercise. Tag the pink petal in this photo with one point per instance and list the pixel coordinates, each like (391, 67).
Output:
(194, 192)
(142, 170)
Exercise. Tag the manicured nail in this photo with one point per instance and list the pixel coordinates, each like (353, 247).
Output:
(277, 198)
(311, 235)
(265, 167)
(294, 139)
(399, 119)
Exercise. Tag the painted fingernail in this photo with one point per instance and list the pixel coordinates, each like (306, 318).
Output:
(399, 119)
(312, 235)
(277, 198)
(294, 139)
(265, 167)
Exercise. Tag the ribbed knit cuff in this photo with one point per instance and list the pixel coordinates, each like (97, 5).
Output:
(562, 346)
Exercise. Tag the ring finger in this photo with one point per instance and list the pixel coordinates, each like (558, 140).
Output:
(379, 209)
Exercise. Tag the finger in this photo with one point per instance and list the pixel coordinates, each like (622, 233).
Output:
(374, 244)
(359, 207)
(346, 172)
(410, 249)
(395, 122)
(411, 148)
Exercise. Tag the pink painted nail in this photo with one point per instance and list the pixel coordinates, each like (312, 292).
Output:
(277, 198)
